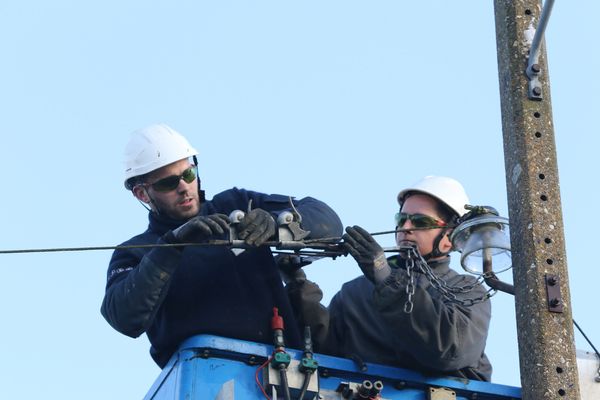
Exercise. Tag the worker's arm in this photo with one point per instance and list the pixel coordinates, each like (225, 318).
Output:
(136, 287)
(138, 279)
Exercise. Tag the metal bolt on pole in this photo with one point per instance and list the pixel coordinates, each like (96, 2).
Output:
(543, 307)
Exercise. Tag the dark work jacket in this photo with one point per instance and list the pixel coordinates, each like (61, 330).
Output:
(174, 293)
(367, 322)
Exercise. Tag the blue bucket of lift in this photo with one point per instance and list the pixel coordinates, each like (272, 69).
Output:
(210, 367)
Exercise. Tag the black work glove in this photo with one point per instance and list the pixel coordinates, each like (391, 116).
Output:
(290, 267)
(367, 252)
(202, 228)
(256, 227)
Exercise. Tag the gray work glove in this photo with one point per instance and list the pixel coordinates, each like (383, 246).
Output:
(202, 228)
(257, 227)
(368, 254)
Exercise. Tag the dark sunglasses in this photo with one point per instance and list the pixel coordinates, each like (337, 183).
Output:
(171, 182)
(418, 220)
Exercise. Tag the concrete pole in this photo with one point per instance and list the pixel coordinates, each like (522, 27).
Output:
(542, 299)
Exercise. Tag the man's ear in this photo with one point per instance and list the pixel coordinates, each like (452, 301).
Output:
(140, 193)
(445, 244)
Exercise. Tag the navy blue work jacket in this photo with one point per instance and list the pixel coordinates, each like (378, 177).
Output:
(172, 293)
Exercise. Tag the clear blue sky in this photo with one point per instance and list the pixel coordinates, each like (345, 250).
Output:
(345, 101)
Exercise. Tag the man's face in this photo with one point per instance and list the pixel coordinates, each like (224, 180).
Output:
(182, 202)
(423, 239)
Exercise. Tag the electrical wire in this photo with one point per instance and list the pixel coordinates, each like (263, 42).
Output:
(591, 344)
(307, 376)
(142, 246)
(283, 378)
(284, 383)
(328, 241)
(586, 338)
(262, 389)
(89, 248)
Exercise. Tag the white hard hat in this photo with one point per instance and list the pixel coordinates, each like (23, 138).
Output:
(154, 147)
(447, 190)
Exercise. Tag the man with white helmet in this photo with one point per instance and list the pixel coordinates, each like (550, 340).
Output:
(387, 317)
(173, 292)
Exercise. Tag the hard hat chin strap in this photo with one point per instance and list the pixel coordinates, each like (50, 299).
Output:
(436, 253)
(152, 202)
(201, 194)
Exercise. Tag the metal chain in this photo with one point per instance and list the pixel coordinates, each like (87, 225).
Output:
(447, 291)
(410, 286)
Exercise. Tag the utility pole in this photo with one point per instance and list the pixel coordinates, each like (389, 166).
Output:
(542, 299)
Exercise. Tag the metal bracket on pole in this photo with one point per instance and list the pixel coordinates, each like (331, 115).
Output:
(535, 86)
(533, 67)
(555, 303)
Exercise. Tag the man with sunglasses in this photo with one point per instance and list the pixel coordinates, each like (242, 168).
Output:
(394, 315)
(169, 283)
